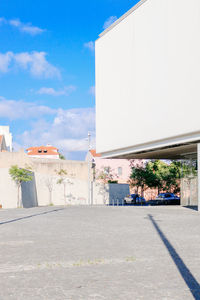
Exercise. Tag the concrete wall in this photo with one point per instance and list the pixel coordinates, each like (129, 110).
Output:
(109, 194)
(117, 192)
(147, 78)
(189, 191)
(70, 192)
(44, 190)
(75, 169)
(8, 190)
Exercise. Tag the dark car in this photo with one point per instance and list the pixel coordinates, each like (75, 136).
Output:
(134, 199)
(167, 199)
(140, 200)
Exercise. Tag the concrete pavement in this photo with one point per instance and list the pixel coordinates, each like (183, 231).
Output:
(112, 253)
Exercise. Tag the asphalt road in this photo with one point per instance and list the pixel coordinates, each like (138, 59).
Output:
(112, 253)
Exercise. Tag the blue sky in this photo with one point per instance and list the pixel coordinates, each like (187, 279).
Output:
(47, 74)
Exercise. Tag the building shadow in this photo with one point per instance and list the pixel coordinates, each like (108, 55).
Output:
(29, 193)
(192, 207)
(189, 279)
(31, 216)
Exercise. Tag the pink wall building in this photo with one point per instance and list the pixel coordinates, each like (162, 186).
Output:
(119, 168)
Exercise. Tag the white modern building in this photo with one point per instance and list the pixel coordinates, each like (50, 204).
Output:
(5, 131)
(148, 82)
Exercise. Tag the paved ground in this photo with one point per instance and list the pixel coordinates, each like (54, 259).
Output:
(112, 253)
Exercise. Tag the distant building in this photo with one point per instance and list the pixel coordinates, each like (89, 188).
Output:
(2, 144)
(5, 131)
(43, 152)
(119, 168)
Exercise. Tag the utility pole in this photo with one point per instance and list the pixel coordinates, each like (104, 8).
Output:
(89, 170)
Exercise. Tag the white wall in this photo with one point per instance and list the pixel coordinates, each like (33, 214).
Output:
(45, 156)
(44, 190)
(5, 130)
(8, 190)
(189, 191)
(147, 75)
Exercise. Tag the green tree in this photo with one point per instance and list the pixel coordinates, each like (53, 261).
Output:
(157, 173)
(19, 175)
(62, 179)
(178, 170)
(106, 175)
(138, 178)
(61, 156)
(161, 175)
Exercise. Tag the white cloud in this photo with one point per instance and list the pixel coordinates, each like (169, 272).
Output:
(90, 45)
(26, 28)
(73, 145)
(5, 60)
(15, 23)
(37, 64)
(92, 90)
(13, 110)
(65, 129)
(34, 62)
(2, 20)
(68, 131)
(52, 92)
(109, 22)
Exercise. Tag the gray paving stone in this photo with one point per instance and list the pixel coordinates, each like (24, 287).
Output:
(112, 253)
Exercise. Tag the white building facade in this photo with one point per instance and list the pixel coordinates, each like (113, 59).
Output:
(148, 83)
(5, 130)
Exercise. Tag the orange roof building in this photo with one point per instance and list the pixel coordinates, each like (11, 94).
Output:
(94, 154)
(43, 152)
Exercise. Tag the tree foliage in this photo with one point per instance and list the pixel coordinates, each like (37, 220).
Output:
(19, 175)
(61, 156)
(161, 175)
(62, 175)
(106, 175)
(63, 180)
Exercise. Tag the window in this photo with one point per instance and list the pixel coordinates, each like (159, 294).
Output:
(107, 170)
(120, 171)
(45, 151)
(39, 151)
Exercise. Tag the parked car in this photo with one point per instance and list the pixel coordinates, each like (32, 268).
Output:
(140, 200)
(167, 199)
(131, 199)
(134, 199)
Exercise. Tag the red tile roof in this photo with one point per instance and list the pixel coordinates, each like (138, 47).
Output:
(42, 150)
(94, 154)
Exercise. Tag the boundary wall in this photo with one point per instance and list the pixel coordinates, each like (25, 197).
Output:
(45, 189)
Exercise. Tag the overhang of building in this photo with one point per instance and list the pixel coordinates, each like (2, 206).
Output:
(181, 151)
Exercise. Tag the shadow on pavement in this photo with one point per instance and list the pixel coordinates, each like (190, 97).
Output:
(192, 207)
(31, 216)
(189, 279)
